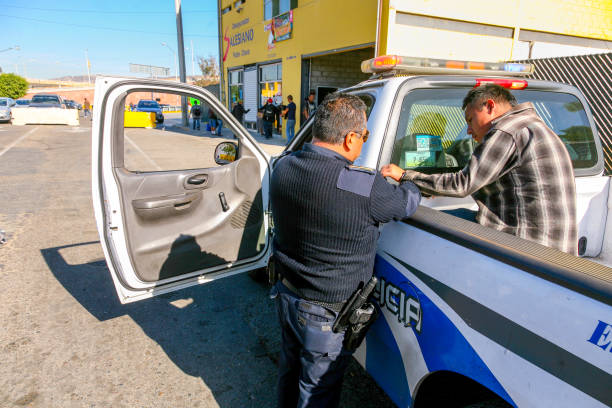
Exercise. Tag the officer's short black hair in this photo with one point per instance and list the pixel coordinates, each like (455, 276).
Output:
(338, 114)
(479, 96)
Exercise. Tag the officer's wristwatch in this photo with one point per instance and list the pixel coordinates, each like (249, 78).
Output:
(405, 176)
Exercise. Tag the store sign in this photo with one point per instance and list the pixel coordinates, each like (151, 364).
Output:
(279, 28)
(283, 25)
(238, 39)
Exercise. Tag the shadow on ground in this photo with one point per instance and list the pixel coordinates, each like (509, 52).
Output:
(224, 332)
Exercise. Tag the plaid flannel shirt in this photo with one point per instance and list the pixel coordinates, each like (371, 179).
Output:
(521, 178)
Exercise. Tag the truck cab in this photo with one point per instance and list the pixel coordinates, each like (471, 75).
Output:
(468, 314)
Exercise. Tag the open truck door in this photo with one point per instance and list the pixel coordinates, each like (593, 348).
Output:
(164, 227)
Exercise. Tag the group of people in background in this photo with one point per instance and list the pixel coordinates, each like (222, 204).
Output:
(196, 112)
(267, 116)
(271, 113)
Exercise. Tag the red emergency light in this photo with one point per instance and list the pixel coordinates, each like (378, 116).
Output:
(506, 83)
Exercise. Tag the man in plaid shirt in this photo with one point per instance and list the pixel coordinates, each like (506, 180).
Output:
(520, 173)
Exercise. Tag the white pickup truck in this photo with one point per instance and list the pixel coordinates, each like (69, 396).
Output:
(469, 315)
(45, 109)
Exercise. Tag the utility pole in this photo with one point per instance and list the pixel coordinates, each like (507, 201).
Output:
(88, 68)
(221, 68)
(192, 61)
(181, 57)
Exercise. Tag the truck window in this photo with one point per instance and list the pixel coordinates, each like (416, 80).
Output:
(305, 136)
(432, 134)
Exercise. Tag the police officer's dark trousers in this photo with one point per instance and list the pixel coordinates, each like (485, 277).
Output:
(312, 360)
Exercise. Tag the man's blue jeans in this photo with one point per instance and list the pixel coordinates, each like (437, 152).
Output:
(268, 129)
(312, 360)
(290, 129)
(196, 123)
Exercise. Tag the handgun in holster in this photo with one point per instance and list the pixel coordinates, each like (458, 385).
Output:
(357, 316)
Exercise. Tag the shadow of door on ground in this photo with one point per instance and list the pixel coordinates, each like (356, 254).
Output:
(224, 332)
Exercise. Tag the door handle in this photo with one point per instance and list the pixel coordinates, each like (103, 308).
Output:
(176, 201)
(198, 179)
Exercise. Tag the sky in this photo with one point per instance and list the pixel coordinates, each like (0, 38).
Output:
(54, 37)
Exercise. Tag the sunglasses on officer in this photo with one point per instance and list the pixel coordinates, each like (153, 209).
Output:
(363, 135)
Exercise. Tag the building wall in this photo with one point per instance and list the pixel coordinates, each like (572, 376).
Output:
(479, 30)
(318, 26)
(487, 30)
(339, 70)
(582, 18)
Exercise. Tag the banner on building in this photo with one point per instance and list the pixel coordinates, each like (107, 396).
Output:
(282, 26)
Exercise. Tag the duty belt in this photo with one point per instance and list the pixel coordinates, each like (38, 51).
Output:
(336, 307)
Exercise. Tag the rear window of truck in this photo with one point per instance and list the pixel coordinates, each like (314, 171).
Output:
(432, 134)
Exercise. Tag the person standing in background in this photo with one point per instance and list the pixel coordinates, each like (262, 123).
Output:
(269, 114)
(309, 106)
(289, 114)
(238, 112)
(86, 108)
(196, 114)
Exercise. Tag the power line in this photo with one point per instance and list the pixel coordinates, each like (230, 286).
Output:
(100, 28)
(104, 11)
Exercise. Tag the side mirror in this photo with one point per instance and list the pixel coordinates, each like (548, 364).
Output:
(226, 153)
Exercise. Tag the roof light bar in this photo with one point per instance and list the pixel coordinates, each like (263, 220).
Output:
(439, 66)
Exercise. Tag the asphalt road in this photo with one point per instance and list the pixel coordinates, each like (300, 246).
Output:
(66, 340)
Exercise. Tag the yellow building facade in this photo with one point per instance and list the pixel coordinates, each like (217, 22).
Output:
(276, 48)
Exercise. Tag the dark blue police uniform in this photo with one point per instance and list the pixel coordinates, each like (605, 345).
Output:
(326, 217)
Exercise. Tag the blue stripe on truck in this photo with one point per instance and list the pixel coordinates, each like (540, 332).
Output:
(443, 346)
(540, 352)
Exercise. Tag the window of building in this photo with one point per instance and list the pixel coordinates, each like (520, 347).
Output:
(270, 83)
(273, 8)
(226, 10)
(236, 86)
(432, 134)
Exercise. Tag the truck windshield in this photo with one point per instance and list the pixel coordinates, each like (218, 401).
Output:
(148, 104)
(432, 134)
(45, 99)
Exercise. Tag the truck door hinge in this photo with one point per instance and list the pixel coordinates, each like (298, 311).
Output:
(270, 220)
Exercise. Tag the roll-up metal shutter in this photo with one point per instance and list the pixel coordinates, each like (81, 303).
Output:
(250, 93)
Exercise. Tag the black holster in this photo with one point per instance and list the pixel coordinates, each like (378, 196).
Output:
(359, 322)
(357, 316)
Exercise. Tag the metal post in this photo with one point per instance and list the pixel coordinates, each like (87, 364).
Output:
(88, 68)
(192, 61)
(221, 68)
(181, 57)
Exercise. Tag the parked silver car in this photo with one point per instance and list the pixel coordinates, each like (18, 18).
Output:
(5, 108)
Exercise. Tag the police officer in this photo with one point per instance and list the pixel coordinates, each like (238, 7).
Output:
(326, 216)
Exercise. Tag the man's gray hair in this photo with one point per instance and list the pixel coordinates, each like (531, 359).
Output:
(478, 96)
(338, 114)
